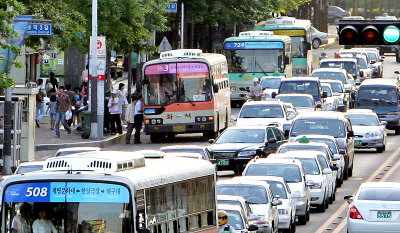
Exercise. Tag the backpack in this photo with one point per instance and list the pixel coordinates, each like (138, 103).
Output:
(40, 95)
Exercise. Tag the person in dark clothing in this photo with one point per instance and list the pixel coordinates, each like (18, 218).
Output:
(138, 119)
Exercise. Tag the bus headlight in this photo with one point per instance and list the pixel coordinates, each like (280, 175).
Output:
(202, 119)
(154, 121)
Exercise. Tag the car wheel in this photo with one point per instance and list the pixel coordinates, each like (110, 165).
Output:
(321, 207)
(397, 131)
(302, 219)
(308, 215)
(350, 171)
(316, 43)
(289, 230)
(346, 170)
(293, 226)
(397, 56)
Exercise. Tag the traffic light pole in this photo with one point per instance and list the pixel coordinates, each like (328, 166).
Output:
(94, 127)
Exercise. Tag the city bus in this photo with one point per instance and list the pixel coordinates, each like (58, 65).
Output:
(255, 54)
(299, 31)
(113, 191)
(186, 91)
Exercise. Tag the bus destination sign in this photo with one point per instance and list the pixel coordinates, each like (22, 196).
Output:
(253, 45)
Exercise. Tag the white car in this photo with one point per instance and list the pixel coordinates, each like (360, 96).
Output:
(302, 102)
(292, 171)
(270, 84)
(374, 208)
(363, 63)
(375, 59)
(315, 173)
(268, 112)
(369, 132)
(237, 219)
(260, 198)
(336, 74)
(343, 98)
(76, 150)
(235, 200)
(30, 167)
(318, 38)
(331, 101)
(281, 191)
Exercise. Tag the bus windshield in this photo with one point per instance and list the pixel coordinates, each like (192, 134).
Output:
(177, 82)
(67, 207)
(255, 61)
(299, 47)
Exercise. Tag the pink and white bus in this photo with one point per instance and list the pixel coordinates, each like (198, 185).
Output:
(186, 91)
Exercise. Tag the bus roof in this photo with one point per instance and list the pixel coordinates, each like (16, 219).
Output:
(273, 38)
(284, 23)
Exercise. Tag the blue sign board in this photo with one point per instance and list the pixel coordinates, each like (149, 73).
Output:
(253, 45)
(67, 192)
(172, 7)
(39, 29)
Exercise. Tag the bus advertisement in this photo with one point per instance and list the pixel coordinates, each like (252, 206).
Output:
(255, 54)
(299, 31)
(186, 91)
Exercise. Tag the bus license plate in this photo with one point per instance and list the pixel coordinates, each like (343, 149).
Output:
(384, 214)
(357, 143)
(223, 162)
(178, 128)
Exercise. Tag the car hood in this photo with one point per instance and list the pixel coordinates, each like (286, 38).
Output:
(259, 209)
(304, 109)
(234, 146)
(330, 100)
(315, 178)
(361, 129)
(260, 121)
(297, 187)
(286, 203)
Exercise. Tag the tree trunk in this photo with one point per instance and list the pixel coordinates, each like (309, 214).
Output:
(73, 67)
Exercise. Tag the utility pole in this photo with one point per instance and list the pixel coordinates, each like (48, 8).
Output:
(182, 25)
(94, 134)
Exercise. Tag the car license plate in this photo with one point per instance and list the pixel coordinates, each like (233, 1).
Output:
(357, 143)
(384, 214)
(178, 128)
(223, 162)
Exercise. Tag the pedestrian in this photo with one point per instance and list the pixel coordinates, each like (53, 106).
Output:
(130, 119)
(54, 84)
(48, 87)
(122, 98)
(40, 102)
(138, 118)
(115, 114)
(78, 104)
(53, 110)
(63, 105)
(85, 89)
(72, 98)
(85, 75)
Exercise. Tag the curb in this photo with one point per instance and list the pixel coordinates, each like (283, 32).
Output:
(101, 143)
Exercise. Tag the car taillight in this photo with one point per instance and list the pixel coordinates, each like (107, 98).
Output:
(354, 213)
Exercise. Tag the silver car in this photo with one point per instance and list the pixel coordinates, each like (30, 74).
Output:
(369, 132)
(318, 38)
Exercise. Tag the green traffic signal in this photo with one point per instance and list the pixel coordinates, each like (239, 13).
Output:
(391, 34)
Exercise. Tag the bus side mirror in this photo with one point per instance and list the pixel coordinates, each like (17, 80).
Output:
(287, 60)
(216, 88)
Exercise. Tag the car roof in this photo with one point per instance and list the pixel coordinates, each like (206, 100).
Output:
(185, 154)
(229, 207)
(331, 81)
(306, 78)
(359, 110)
(326, 85)
(173, 147)
(246, 182)
(264, 102)
(262, 178)
(316, 136)
(78, 148)
(32, 163)
(380, 185)
(297, 154)
(305, 143)
(299, 95)
(249, 127)
(275, 161)
(230, 197)
(321, 115)
(367, 49)
(381, 82)
(330, 69)
(338, 60)
(272, 77)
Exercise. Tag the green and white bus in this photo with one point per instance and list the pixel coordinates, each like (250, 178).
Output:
(299, 31)
(255, 54)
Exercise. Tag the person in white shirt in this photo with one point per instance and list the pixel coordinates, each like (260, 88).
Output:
(122, 99)
(138, 119)
(42, 225)
(223, 223)
(20, 223)
(115, 117)
(130, 119)
(256, 89)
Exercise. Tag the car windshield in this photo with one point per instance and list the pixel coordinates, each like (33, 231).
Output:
(235, 219)
(323, 161)
(301, 146)
(300, 87)
(361, 62)
(177, 82)
(372, 56)
(298, 101)
(261, 111)
(327, 89)
(330, 127)
(364, 119)
(254, 194)
(383, 95)
(336, 87)
(270, 83)
(331, 75)
(379, 194)
(289, 172)
(254, 61)
(30, 168)
(310, 166)
(277, 188)
(327, 141)
(349, 66)
(242, 136)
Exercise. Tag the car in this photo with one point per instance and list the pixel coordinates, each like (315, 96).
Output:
(302, 85)
(237, 219)
(363, 62)
(333, 159)
(267, 112)
(318, 38)
(382, 96)
(152, 153)
(192, 155)
(375, 59)
(30, 167)
(292, 171)
(259, 195)
(336, 13)
(236, 200)
(374, 208)
(270, 84)
(349, 64)
(314, 172)
(281, 191)
(335, 124)
(188, 148)
(353, 18)
(75, 150)
(369, 132)
(302, 102)
(239, 144)
(332, 103)
(343, 98)
(336, 74)
(290, 109)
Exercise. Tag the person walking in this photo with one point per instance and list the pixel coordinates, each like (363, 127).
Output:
(54, 84)
(63, 105)
(138, 118)
(72, 99)
(115, 117)
(130, 119)
(122, 98)
(40, 102)
(53, 110)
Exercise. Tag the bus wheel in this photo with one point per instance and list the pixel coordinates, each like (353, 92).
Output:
(157, 137)
(210, 135)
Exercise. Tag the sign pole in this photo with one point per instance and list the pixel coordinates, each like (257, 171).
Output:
(182, 24)
(94, 134)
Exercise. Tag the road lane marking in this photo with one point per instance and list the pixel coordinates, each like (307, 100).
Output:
(345, 204)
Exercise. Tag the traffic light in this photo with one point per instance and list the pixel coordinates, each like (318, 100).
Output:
(369, 32)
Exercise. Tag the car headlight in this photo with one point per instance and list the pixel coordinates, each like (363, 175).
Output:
(247, 153)
(316, 186)
(283, 211)
(392, 113)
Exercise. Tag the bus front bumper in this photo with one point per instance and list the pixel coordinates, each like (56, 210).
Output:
(179, 128)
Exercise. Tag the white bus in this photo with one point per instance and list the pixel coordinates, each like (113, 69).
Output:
(186, 91)
(118, 192)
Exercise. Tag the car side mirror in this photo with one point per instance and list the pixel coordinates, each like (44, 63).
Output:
(211, 141)
(334, 167)
(216, 88)
(276, 202)
(347, 91)
(397, 72)
(252, 227)
(382, 58)
(336, 157)
(342, 152)
(272, 140)
(291, 116)
(350, 134)
(318, 105)
(361, 73)
(384, 123)
(324, 94)
(326, 171)
(373, 62)
(309, 183)
(348, 198)
(273, 95)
